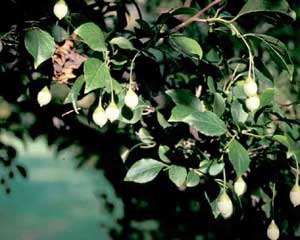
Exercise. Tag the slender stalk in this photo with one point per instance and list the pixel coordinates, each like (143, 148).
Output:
(224, 180)
(131, 68)
(251, 64)
(297, 170)
(273, 198)
(252, 134)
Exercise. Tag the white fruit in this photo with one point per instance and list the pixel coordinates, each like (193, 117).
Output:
(112, 112)
(240, 186)
(224, 205)
(273, 231)
(44, 96)
(252, 103)
(250, 87)
(99, 116)
(5, 110)
(295, 195)
(60, 9)
(131, 99)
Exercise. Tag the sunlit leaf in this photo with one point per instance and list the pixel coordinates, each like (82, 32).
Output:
(144, 170)
(40, 45)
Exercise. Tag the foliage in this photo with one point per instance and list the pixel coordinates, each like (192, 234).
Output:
(192, 121)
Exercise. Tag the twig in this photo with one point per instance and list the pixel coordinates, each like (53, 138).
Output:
(187, 3)
(195, 17)
(262, 147)
(138, 9)
(69, 112)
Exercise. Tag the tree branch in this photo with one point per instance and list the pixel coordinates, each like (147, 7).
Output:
(187, 3)
(195, 17)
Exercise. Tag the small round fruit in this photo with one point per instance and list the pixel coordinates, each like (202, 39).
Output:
(224, 205)
(273, 231)
(112, 112)
(44, 96)
(5, 110)
(240, 186)
(250, 87)
(131, 99)
(60, 9)
(295, 195)
(99, 116)
(252, 103)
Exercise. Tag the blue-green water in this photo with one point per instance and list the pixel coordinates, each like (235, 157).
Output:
(57, 201)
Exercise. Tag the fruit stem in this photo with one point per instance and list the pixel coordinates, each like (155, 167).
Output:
(100, 101)
(106, 62)
(251, 134)
(273, 198)
(297, 170)
(131, 69)
(112, 90)
(224, 180)
(251, 63)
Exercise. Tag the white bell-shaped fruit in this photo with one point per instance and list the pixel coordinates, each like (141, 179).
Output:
(60, 9)
(252, 103)
(224, 205)
(240, 186)
(44, 96)
(295, 195)
(273, 231)
(99, 116)
(112, 112)
(131, 99)
(250, 87)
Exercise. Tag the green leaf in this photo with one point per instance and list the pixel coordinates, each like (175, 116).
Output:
(144, 170)
(278, 51)
(218, 105)
(96, 74)
(239, 157)
(192, 179)
(40, 45)
(237, 112)
(267, 97)
(117, 87)
(162, 150)
(180, 112)
(74, 93)
(128, 116)
(211, 84)
(207, 123)
(184, 97)
(204, 166)
(145, 137)
(122, 42)
(162, 121)
(238, 90)
(282, 139)
(216, 168)
(213, 205)
(92, 35)
(275, 8)
(187, 45)
(186, 104)
(177, 175)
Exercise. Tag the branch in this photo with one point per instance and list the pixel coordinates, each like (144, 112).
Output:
(187, 3)
(195, 17)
